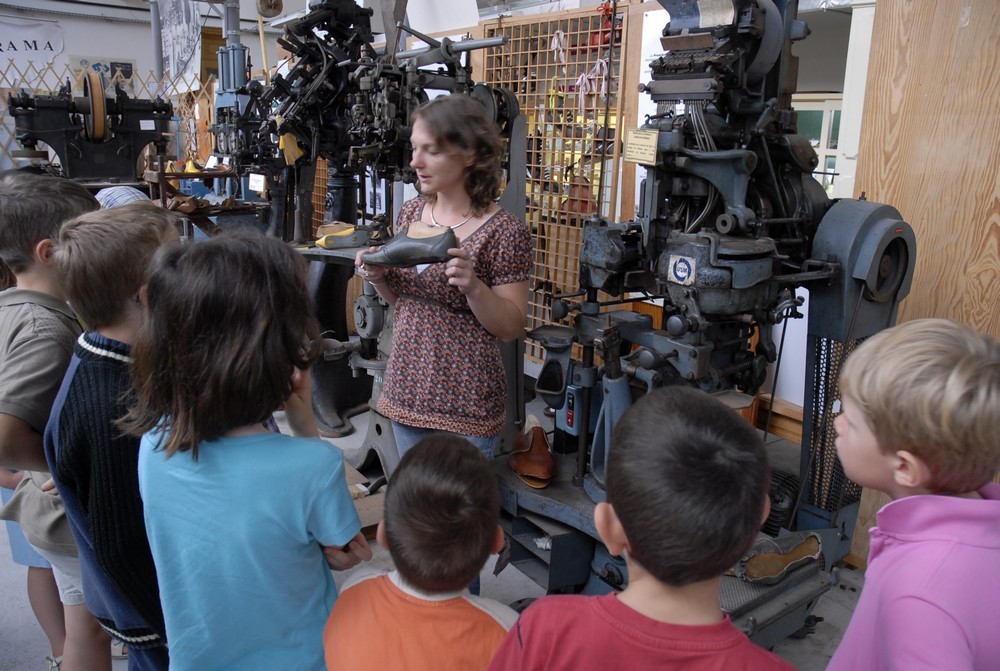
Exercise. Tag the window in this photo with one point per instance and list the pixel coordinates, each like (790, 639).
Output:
(819, 120)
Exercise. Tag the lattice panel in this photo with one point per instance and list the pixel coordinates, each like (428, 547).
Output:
(830, 489)
(192, 111)
(564, 70)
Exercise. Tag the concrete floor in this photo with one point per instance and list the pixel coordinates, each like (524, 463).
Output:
(23, 647)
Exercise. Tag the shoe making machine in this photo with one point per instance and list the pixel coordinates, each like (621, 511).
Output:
(98, 139)
(731, 222)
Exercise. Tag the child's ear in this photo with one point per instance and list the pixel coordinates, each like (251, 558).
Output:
(144, 295)
(43, 251)
(610, 528)
(767, 509)
(498, 541)
(380, 536)
(910, 471)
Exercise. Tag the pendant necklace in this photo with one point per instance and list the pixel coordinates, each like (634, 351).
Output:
(435, 223)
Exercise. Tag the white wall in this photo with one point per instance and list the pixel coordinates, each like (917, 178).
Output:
(823, 55)
(121, 29)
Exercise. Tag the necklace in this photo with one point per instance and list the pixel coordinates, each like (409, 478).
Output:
(435, 223)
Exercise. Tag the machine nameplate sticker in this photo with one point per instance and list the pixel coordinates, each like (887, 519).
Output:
(682, 270)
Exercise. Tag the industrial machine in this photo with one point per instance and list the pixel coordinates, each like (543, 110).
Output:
(730, 223)
(98, 139)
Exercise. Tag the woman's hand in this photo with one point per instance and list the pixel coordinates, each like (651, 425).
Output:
(349, 556)
(461, 272)
(372, 273)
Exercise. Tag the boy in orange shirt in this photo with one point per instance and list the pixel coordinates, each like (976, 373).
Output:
(441, 523)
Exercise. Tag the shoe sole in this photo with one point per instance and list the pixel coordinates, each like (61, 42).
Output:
(771, 564)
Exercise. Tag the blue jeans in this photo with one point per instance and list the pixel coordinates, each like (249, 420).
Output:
(408, 436)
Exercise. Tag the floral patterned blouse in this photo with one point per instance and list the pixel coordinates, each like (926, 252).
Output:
(445, 371)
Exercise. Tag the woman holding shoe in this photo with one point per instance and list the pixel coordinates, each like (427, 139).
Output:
(445, 372)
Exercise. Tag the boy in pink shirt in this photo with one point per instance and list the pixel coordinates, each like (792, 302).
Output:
(920, 418)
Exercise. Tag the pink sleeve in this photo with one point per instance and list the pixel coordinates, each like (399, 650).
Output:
(918, 635)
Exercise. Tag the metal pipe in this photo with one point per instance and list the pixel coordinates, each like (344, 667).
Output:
(154, 18)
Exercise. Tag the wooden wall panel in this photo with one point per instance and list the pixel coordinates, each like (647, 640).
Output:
(930, 146)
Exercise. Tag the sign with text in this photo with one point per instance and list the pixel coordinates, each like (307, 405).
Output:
(34, 42)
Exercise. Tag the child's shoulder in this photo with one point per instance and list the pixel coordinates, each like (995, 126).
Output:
(34, 314)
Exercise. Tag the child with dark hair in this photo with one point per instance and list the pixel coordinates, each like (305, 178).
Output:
(37, 332)
(101, 259)
(440, 524)
(687, 484)
(243, 524)
(921, 408)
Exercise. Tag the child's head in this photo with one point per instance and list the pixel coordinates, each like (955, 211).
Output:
(441, 512)
(101, 258)
(32, 207)
(687, 478)
(229, 320)
(930, 388)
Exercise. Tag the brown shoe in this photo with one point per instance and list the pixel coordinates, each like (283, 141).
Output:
(531, 459)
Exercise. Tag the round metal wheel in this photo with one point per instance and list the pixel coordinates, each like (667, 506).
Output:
(95, 123)
(484, 94)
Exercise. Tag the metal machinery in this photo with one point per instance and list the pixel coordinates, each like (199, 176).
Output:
(344, 102)
(730, 223)
(98, 139)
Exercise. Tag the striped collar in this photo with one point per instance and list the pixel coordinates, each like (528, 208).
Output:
(97, 344)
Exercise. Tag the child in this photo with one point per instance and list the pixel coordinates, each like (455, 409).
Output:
(921, 407)
(687, 486)
(101, 259)
(237, 516)
(37, 331)
(440, 524)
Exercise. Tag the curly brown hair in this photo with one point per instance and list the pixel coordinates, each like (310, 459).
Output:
(460, 121)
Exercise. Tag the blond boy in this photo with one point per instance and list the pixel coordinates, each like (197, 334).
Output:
(920, 418)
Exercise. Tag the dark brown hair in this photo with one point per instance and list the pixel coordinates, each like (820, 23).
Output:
(228, 321)
(32, 208)
(460, 122)
(688, 478)
(441, 512)
(101, 258)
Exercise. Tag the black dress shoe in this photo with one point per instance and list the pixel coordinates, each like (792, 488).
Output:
(404, 251)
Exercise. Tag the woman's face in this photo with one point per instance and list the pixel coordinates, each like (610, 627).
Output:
(439, 168)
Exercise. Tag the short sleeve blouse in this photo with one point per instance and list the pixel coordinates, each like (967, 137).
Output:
(445, 371)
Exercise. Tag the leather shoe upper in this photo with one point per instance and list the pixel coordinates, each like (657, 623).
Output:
(404, 251)
(534, 460)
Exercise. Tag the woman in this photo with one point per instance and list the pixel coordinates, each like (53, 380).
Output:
(445, 372)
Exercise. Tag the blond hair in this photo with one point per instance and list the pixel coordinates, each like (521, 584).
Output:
(932, 387)
(101, 258)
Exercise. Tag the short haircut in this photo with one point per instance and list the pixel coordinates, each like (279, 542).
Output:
(932, 387)
(460, 122)
(32, 208)
(228, 322)
(441, 512)
(688, 479)
(101, 258)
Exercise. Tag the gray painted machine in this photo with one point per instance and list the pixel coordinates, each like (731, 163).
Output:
(730, 222)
